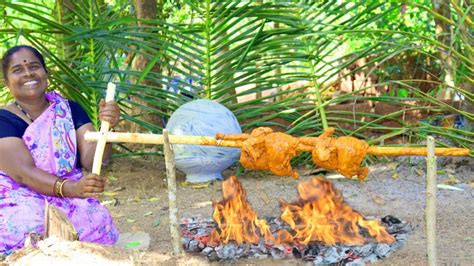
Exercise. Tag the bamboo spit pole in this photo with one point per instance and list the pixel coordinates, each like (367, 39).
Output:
(211, 141)
(102, 135)
(172, 199)
(430, 212)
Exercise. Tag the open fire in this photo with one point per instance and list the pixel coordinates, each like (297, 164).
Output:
(235, 218)
(320, 214)
(319, 224)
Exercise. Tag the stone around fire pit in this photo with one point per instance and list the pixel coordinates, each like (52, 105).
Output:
(196, 231)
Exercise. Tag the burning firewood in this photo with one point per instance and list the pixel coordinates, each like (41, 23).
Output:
(235, 217)
(320, 214)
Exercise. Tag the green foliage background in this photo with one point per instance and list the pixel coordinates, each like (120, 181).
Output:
(227, 45)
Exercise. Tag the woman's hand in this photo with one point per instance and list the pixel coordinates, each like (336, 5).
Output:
(110, 112)
(90, 185)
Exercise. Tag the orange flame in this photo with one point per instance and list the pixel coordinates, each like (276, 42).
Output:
(235, 218)
(320, 214)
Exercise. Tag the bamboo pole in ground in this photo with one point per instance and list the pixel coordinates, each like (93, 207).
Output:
(102, 135)
(430, 212)
(172, 199)
(211, 141)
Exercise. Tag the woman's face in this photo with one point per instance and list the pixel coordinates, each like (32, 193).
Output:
(26, 77)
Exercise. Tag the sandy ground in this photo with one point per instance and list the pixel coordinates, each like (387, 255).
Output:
(138, 200)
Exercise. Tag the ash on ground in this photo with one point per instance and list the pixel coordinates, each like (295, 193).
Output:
(196, 233)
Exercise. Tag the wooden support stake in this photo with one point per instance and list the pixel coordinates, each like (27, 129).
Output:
(104, 129)
(172, 199)
(431, 182)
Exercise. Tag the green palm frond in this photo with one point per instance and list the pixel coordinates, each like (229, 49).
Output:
(284, 57)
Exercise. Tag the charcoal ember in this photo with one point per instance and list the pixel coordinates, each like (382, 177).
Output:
(242, 251)
(311, 252)
(260, 247)
(382, 250)
(201, 231)
(348, 253)
(298, 250)
(245, 247)
(281, 251)
(196, 232)
(228, 251)
(253, 253)
(193, 245)
(366, 250)
(212, 256)
(401, 228)
(207, 250)
(258, 251)
(333, 255)
(401, 237)
(318, 260)
(296, 253)
(259, 256)
(390, 220)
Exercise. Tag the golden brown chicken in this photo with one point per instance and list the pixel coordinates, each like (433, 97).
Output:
(342, 154)
(264, 149)
(268, 150)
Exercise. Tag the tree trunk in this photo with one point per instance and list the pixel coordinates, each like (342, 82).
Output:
(443, 34)
(465, 30)
(145, 9)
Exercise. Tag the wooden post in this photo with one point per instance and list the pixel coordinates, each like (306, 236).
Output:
(104, 129)
(431, 182)
(172, 199)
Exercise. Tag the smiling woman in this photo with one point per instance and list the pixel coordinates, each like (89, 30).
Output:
(42, 153)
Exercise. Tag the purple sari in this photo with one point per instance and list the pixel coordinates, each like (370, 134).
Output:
(51, 140)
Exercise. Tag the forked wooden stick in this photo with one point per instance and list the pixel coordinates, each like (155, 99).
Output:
(211, 141)
(102, 135)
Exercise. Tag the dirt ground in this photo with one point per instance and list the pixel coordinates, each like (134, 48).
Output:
(137, 197)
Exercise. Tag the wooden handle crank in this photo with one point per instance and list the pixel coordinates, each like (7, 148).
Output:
(211, 141)
(101, 138)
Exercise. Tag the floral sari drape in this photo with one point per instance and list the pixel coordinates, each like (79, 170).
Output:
(51, 140)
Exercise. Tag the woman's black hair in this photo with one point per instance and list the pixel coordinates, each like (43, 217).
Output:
(8, 54)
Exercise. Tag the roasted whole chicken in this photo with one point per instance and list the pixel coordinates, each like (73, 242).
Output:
(264, 149)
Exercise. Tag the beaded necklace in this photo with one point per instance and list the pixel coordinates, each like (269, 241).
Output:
(25, 112)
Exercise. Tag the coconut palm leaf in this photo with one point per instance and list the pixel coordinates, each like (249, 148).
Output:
(273, 64)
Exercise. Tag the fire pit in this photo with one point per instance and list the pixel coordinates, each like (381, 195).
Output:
(196, 234)
(318, 227)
